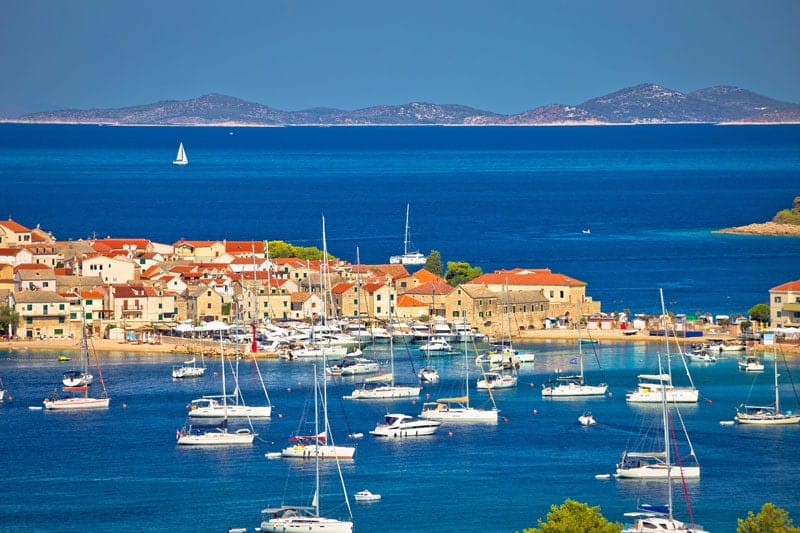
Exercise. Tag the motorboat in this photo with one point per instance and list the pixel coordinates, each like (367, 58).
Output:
(367, 496)
(353, 365)
(701, 355)
(188, 369)
(211, 407)
(428, 374)
(401, 425)
(751, 364)
(649, 390)
(436, 345)
(497, 380)
(586, 419)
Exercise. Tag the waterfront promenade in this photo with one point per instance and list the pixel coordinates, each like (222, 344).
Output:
(167, 345)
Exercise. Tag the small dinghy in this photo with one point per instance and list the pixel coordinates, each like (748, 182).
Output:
(586, 419)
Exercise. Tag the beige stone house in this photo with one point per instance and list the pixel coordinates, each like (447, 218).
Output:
(14, 234)
(31, 277)
(113, 269)
(43, 314)
(784, 304)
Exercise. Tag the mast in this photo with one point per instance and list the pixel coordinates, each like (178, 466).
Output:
(224, 390)
(580, 344)
(315, 503)
(664, 406)
(405, 241)
(777, 394)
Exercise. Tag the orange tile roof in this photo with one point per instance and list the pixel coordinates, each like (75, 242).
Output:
(407, 301)
(14, 226)
(32, 266)
(532, 277)
(788, 286)
(244, 247)
(341, 288)
(426, 276)
(122, 244)
(433, 288)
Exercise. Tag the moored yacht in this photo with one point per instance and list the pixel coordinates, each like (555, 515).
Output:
(401, 425)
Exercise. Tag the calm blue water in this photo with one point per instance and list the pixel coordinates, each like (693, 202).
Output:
(121, 470)
(494, 197)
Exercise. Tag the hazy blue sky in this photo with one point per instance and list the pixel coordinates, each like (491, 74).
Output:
(500, 55)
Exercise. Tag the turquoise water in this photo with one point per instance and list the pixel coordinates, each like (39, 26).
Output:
(121, 470)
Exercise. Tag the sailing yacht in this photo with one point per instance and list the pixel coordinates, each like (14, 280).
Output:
(769, 415)
(458, 409)
(319, 445)
(290, 518)
(650, 386)
(180, 158)
(82, 400)
(218, 436)
(408, 258)
(569, 386)
(384, 387)
(657, 463)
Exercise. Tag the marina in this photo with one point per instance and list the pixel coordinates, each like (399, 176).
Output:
(132, 467)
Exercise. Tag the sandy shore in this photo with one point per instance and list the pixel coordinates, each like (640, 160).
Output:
(765, 229)
(171, 346)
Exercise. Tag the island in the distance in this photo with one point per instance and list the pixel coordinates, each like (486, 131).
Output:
(784, 224)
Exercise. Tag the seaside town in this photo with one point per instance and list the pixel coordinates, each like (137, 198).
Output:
(139, 293)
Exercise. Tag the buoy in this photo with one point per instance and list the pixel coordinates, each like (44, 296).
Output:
(124, 405)
(280, 415)
(531, 384)
(427, 395)
(536, 411)
(288, 389)
(449, 433)
(710, 401)
(610, 394)
(299, 383)
(505, 419)
(413, 402)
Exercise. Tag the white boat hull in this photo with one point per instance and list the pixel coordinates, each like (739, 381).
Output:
(653, 395)
(659, 471)
(386, 392)
(400, 425)
(767, 419)
(461, 415)
(232, 411)
(566, 390)
(78, 403)
(325, 451)
(217, 438)
(306, 524)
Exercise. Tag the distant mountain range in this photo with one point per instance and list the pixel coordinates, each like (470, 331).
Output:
(642, 104)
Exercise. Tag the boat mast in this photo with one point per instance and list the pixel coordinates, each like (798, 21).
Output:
(664, 406)
(315, 503)
(405, 241)
(777, 393)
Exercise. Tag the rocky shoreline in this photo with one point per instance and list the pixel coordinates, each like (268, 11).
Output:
(771, 229)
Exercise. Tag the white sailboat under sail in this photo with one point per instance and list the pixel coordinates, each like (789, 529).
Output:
(180, 158)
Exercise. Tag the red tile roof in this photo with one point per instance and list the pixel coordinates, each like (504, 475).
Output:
(788, 286)
(532, 277)
(14, 226)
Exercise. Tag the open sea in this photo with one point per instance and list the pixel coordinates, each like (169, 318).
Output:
(492, 196)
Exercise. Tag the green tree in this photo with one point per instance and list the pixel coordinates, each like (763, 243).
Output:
(9, 319)
(575, 517)
(770, 519)
(434, 263)
(459, 272)
(284, 249)
(759, 312)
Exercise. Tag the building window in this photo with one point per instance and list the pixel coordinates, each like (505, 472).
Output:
(378, 297)
(378, 310)
(60, 307)
(29, 307)
(73, 316)
(777, 299)
(58, 331)
(61, 319)
(45, 309)
(29, 320)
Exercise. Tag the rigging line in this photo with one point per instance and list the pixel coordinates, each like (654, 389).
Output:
(786, 365)
(680, 466)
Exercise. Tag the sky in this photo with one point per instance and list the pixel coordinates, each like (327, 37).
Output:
(506, 56)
